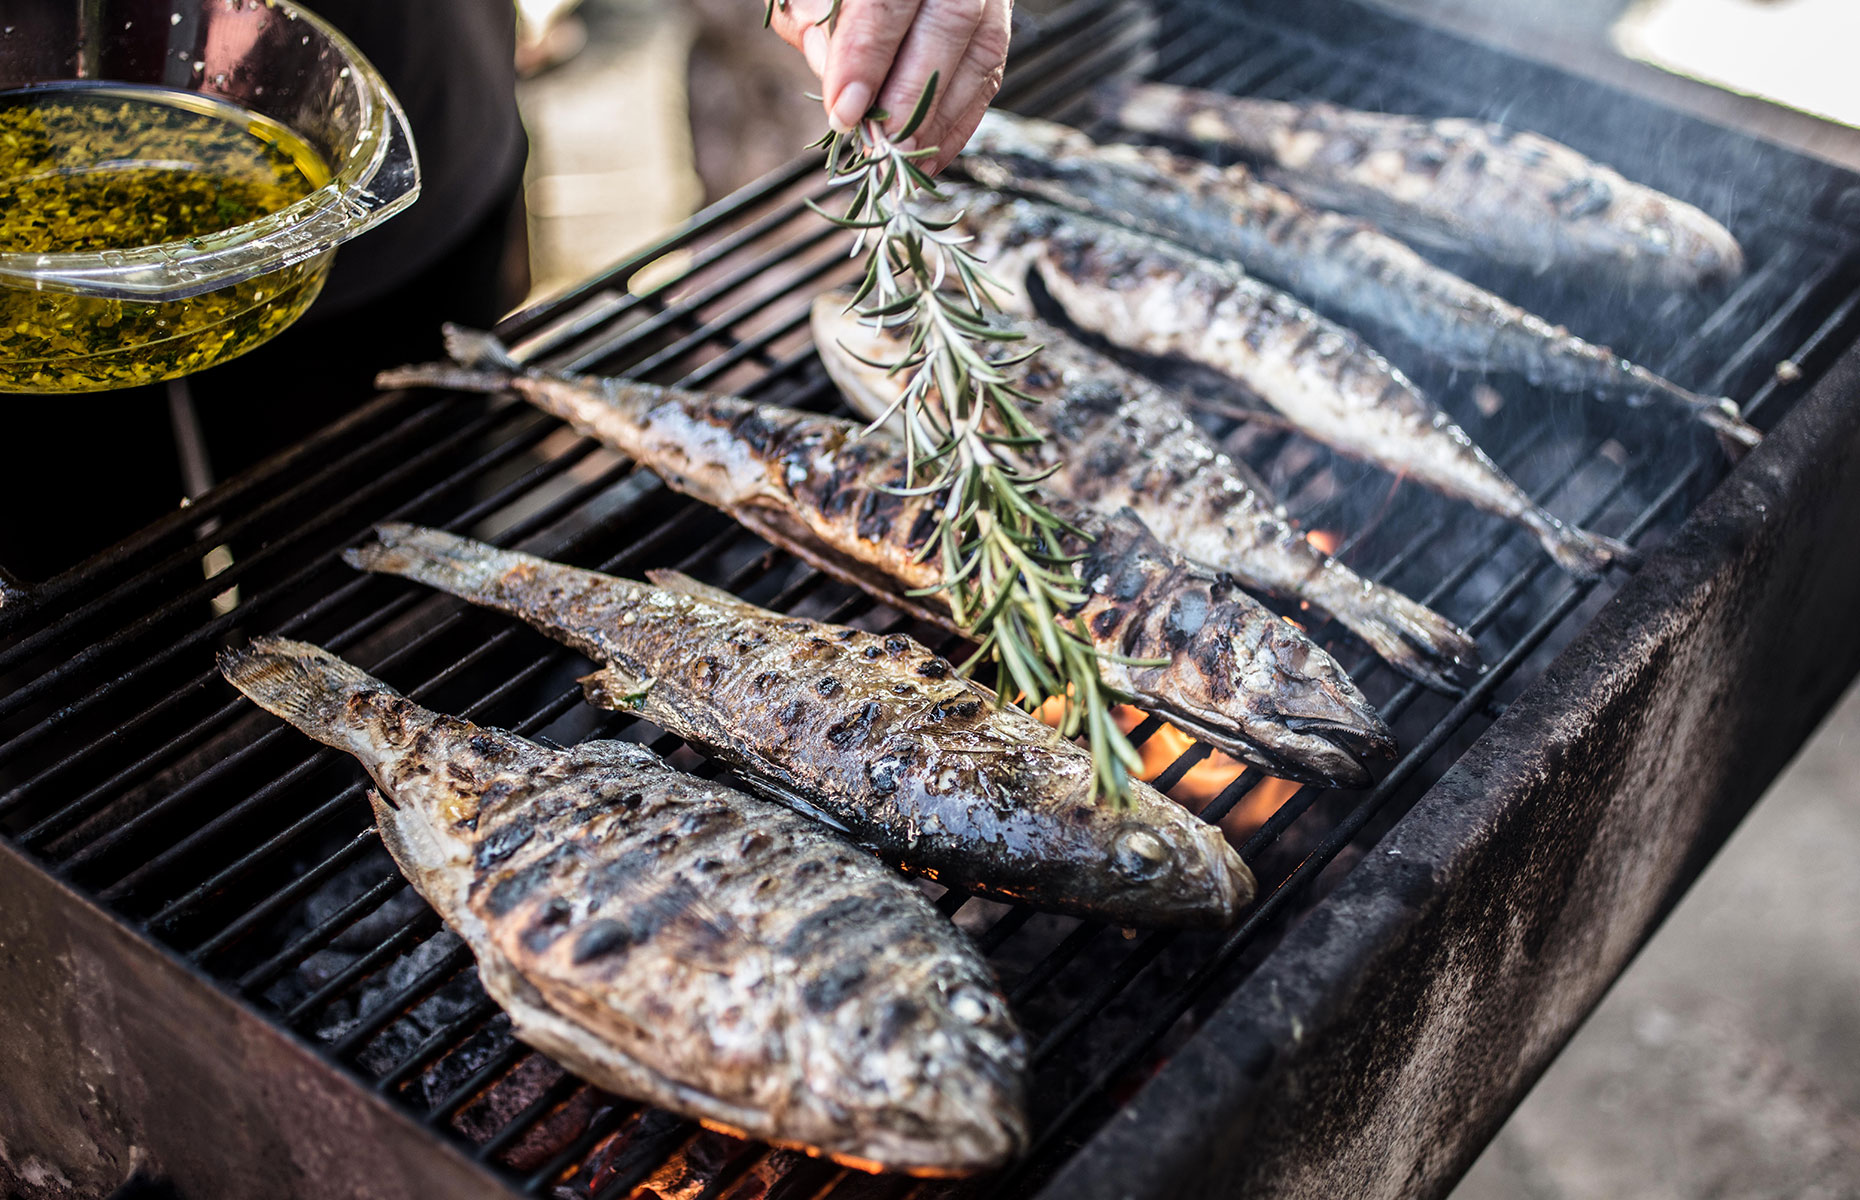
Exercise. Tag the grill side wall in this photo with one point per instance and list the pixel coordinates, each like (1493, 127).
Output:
(116, 1060)
(1381, 1046)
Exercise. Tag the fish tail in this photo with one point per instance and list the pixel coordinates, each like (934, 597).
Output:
(449, 376)
(1735, 434)
(475, 348)
(463, 567)
(304, 684)
(1583, 554)
(1409, 636)
(1720, 415)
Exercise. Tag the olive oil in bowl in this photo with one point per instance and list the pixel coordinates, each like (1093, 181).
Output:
(90, 168)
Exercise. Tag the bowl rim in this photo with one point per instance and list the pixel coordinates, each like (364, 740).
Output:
(338, 210)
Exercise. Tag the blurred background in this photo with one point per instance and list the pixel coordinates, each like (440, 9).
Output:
(1726, 1063)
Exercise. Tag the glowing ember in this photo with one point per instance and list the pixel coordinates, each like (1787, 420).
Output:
(1257, 805)
(1201, 782)
(1324, 540)
(1051, 710)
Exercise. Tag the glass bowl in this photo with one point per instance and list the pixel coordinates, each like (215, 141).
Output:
(173, 308)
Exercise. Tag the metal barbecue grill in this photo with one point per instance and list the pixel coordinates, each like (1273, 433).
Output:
(248, 996)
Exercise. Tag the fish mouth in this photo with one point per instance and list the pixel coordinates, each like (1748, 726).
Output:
(1360, 739)
(1302, 749)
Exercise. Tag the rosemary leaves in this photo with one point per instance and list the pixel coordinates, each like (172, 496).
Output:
(1006, 579)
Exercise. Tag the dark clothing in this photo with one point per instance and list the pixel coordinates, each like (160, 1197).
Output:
(73, 484)
(452, 63)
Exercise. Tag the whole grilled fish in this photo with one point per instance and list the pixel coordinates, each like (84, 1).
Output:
(1458, 184)
(1233, 673)
(1338, 263)
(875, 733)
(1155, 297)
(1115, 440)
(675, 941)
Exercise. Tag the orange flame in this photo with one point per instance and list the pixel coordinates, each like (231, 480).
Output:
(1324, 540)
(1201, 782)
(1257, 805)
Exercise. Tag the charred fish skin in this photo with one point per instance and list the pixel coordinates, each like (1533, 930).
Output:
(1340, 263)
(815, 486)
(1515, 196)
(874, 732)
(1115, 440)
(675, 941)
(1152, 296)
(1229, 662)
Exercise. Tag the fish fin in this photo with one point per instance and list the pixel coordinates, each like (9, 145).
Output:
(768, 525)
(304, 684)
(617, 690)
(476, 348)
(448, 376)
(678, 581)
(434, 557)
(1583, 554)
(607, 752)
(1408, 635)
(763, 784)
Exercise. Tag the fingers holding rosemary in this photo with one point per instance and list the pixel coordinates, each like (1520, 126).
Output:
(884, 53)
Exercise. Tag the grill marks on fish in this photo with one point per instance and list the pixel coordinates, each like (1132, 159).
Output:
(1340, 263)
(874, 732)
(1116, 440)
(1512, 195)
(1151, 296)
(678, 942)
(684, 437)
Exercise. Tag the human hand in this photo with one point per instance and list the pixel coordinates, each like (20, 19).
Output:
(883, 52)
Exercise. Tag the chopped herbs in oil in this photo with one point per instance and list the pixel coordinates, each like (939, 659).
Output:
(88, 168)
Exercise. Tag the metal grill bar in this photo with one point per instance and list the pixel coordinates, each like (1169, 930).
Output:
(195, 855)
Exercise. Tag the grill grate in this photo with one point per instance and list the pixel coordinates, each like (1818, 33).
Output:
(128, 768)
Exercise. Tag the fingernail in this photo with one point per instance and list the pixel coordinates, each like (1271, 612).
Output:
(814, 49)
(854, 99)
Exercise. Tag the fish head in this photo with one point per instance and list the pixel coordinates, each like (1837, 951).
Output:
(1147, 862)
(1313, 724)
(931, 1069)
(1231, 671)
(1168, 868)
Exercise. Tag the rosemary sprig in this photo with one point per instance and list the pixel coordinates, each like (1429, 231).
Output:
(1006, 576)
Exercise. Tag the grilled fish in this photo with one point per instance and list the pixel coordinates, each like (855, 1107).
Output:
(675, 941)
(1233, 673)
(1114, 440)
(874, 733)
(1338, 263)
(1515, 196)
(1152, 296)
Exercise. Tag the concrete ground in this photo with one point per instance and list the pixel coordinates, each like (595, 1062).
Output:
(1726, 1062)
(610, 146)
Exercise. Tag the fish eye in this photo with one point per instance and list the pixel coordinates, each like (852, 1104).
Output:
(967, 1006)
(1140, 854)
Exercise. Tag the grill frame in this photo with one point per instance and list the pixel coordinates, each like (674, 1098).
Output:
(1158, 1125)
